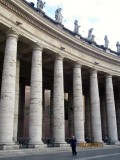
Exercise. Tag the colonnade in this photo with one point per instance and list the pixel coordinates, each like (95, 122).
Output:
(9, 92)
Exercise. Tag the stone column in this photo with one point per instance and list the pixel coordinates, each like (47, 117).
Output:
(110, 107)
(7, 99)
(95, 107)
(87, 116)
(78, 109)
(58, 103)
(35, 111)
(15, 129)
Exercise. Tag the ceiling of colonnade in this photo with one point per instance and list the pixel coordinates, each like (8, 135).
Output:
(25, 55)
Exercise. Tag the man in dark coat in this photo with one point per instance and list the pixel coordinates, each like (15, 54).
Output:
(73, 143)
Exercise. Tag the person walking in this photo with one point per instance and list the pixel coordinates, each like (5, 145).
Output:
(73, 143)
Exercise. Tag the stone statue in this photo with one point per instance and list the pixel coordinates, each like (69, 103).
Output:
(76, 27)
(92, 38)
(40, 4)
(118, 46)
(106, 41)
(58, 15)
(90, 34)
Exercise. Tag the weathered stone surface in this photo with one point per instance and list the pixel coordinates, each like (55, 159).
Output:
(35, 113)
(78, 104)
(7, 100)
(95, 107)
(58, 102)
(110, 106)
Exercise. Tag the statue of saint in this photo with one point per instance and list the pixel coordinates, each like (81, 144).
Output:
(90, 34)
(40, 4)
(58, 15)
(106, 41)
(76, 27)
(118, 46)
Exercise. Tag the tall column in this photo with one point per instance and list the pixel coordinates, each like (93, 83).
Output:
(87, 116)
(15, 129)
(110, 106)
(95, 107)
(58, 103)
(35, 111)
(7, 99)
(78, 109)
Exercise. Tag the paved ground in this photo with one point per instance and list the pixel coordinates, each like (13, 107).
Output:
(106, 153)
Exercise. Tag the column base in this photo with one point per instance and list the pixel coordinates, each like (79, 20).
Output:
(114, 142)
(9, 147)
(61, 145)
(37, 146)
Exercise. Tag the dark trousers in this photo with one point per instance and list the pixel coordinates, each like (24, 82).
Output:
(74, 150)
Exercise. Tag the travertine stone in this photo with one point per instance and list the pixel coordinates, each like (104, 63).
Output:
(58, 102)
(95, 107)
(78, 104)
(35, 112)
(87, 116)
(110, 106)
(7, 101)
(15, 129)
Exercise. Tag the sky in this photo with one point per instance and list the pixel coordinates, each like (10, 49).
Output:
(101, 15)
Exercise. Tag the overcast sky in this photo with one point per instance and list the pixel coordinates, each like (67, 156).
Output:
(102, 15)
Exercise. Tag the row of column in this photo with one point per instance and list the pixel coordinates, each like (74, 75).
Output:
(7, 100)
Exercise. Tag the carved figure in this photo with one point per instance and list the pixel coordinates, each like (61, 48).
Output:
(40, 4)
(76, 27)
(90, 34)
(58, 15)
(106, 41)
(118, 46)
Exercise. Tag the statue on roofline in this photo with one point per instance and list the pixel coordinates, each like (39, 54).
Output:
(118, 47)
(106, 41)
(58, 16)
(40, 4)
(76, 27)
(90, 33)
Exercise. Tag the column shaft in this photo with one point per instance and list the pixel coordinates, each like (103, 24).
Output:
(7, 101)
(58, 102)
(78, 109)
(110, 106)
(35, 112)
(95, 107)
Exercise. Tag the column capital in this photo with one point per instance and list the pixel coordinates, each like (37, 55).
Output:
(59, 57)
(108, 75)
(93, 70)
(12, 33)
(78, 64)
(38, 46)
